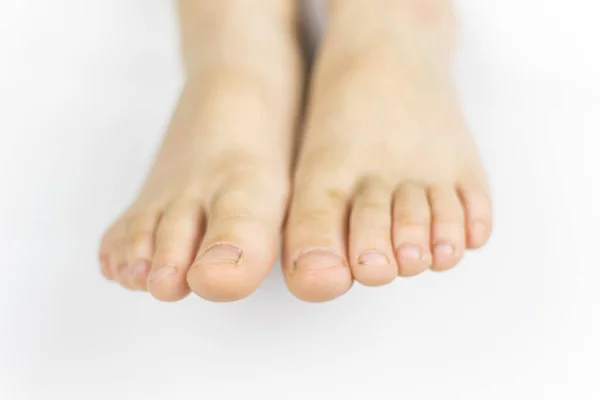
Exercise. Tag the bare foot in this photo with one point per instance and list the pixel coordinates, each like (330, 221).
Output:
(209, 216)
(389, 181)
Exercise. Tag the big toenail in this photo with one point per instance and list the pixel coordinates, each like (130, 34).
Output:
(140, 267)
(410, 252)
(222, 253)
(162, 272)
(373, 258)
(317, 258)
(444, 250)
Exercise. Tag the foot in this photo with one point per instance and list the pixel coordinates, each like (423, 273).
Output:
(208, 218)
(389, 182)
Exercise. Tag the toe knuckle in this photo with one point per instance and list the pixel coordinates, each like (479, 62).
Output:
(139, 239)
(371, 222)
(406, 217)
(448, 214)
(230, 210)
(436, 192)
(452, 225)
(320, 201)
(372, 206)
(313, 218)
(230, 201)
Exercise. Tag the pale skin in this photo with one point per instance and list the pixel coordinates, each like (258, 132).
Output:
(388, 182)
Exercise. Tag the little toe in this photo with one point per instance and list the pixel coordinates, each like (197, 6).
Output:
(370, 248)
(104, 253)
(105, 266)
(411, 229)
(110, 254)
(447, 228)
(177, 238)
(241, 241)
(314, 262)
(478, 214)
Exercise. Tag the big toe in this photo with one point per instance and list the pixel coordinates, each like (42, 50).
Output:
(241, 241)
(315, 264)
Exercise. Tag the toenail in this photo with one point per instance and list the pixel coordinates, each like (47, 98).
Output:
(222, 253)
(162, 272)
(444, 250)
(140, 267)
(410, 252)
(123, 270)
(477, 229)
(317, 258)
(373, 258)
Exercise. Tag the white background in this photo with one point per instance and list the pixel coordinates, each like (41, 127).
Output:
(86, 88)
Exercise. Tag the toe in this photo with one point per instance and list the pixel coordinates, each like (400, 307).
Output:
(315, 264)
(411, 229)
(117, 261)
(478, 214)
(177, 238)
(139, 247)
(104, 254)
(105, 266)
(447, 228)
(241, 241)
(370, 249)
(113, 255)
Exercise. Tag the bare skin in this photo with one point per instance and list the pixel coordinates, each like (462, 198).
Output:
(209, 216)
(388, 183)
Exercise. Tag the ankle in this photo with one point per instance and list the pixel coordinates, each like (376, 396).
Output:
(239, 35)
